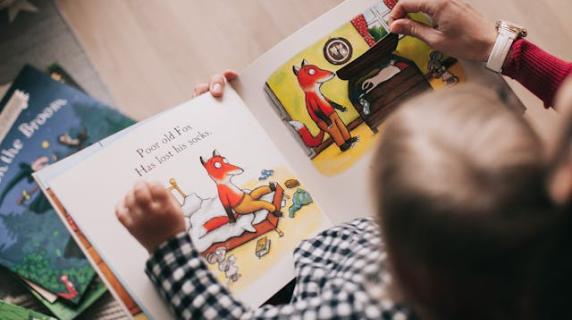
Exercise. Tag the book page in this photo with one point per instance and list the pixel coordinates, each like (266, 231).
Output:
(186, 149)
(324, 93)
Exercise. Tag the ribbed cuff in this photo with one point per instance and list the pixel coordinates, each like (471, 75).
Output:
(540, 72)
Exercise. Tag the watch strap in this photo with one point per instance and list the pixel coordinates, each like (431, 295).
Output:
(501, 49)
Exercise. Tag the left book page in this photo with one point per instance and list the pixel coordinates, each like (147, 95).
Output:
(193, 150)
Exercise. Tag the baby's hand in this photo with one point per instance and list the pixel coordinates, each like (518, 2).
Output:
(216, 84)
(150, 214)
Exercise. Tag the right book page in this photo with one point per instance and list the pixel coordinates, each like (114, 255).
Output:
(323, 95)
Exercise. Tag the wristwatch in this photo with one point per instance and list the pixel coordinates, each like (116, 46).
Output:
(507, 33)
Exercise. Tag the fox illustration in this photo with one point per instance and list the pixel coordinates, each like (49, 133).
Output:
(235, 200)
(321, 109)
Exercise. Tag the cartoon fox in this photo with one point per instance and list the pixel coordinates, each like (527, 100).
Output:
(234, 200)
(321, 109)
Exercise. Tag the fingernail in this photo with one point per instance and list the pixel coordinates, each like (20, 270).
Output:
(217, 88)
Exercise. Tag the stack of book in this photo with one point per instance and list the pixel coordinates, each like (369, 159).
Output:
(46, 116)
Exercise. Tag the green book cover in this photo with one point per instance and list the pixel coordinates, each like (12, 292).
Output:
(64, 311)
(13, 312)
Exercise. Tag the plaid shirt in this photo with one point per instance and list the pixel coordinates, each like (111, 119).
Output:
(340, 273)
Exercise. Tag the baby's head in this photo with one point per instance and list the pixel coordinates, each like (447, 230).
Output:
(460, 183)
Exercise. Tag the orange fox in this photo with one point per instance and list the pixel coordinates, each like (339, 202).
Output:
(321, 109)
(234, 200)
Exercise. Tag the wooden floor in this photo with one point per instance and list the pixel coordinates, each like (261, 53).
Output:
(150, 54)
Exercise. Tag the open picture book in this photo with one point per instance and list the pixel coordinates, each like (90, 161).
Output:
(292, 140)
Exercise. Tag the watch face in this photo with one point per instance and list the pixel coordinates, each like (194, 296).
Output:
(512, 27)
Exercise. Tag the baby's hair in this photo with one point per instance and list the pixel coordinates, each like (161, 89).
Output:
(463, 205)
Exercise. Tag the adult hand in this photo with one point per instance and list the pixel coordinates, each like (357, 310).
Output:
(459, 30)
(216, 84)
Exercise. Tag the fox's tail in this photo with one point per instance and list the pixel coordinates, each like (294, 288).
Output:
(309, 139)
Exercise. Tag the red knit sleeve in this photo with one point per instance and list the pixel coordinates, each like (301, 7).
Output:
(539, 71)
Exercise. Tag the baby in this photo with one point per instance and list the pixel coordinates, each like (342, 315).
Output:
(469, 226)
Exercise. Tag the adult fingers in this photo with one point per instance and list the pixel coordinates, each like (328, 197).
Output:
(403, 7)
(416, 29)
(216, 85)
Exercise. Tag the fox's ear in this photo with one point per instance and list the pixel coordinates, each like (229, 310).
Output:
(202, 161)
(304, 63)
(295, 69)
(215, 153)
